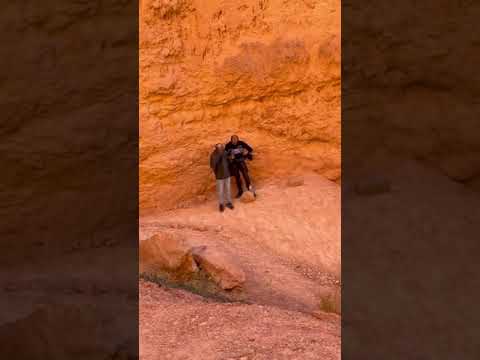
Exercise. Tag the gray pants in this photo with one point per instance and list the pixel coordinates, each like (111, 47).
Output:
(223, 191)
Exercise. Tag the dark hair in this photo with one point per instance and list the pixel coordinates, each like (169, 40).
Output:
(234, 136)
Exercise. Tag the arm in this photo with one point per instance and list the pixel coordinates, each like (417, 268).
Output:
(246, 146)
(213, 164)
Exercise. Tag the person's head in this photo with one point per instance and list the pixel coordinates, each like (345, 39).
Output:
(234, 139)
(219, 147)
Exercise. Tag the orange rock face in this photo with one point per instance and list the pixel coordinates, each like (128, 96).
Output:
(167, 252)
(266, 70)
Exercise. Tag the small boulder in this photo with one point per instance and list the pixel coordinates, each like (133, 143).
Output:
(219, 267)
(247, 197)
(295, 181)
(166, 252)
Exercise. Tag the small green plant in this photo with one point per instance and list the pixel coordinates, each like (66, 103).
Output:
(199, 284)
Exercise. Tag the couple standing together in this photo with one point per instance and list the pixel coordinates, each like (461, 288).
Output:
(226, 161)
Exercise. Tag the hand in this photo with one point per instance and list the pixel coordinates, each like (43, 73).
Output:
(245, 152)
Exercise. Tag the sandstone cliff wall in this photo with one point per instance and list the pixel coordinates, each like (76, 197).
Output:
(268, 70)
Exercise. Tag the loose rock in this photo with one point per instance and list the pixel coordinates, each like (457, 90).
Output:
(247, 197)
(295, 181)
(166, 252)
(223, 270)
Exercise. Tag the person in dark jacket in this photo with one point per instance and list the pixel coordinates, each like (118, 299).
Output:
(220, 166)
(238, 151)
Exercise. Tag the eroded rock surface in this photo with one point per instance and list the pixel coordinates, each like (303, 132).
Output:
(267, 70)
(167, 252)
(224, 271)
(169, 255)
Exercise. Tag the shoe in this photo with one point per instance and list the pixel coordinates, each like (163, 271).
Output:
(230, 206)
(221, 207)
(239, 195)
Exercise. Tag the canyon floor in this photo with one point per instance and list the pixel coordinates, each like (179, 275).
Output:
(175, 324)
(287, 243)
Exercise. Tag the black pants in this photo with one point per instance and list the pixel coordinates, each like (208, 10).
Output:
(239, 167)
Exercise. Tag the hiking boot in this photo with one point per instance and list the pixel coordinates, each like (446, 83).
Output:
(239, 195)
(230, 206)
(221, 207)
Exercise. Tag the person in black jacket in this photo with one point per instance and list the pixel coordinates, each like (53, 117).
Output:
(238, 151)
(220, 166)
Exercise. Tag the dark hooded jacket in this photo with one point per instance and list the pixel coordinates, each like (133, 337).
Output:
(236, 150)
(219, 164)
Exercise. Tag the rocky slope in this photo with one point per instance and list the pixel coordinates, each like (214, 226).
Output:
(275, 260)
(267, 70)
(273, 263)
(175, 324)
(285, 245)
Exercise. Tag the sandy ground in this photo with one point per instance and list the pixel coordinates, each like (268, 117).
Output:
(176, 324)
(288, 244)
